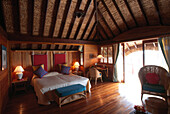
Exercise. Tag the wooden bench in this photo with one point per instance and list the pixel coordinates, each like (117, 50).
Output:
(70, 93)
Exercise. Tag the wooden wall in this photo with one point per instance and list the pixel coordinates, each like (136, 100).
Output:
(25, 60)
(4, 85)
(88, 61)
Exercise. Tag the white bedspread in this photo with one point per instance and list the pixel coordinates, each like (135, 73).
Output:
(54, 80)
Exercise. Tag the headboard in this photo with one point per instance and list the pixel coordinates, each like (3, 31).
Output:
(40, 59)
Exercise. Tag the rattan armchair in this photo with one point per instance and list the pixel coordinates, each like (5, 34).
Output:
(159, 89)
(94, 73)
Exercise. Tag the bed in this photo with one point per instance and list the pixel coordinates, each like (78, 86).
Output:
(44, 86)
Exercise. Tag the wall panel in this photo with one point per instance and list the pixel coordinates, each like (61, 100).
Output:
(4, 84)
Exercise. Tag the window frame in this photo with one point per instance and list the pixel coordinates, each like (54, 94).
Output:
(107, 54)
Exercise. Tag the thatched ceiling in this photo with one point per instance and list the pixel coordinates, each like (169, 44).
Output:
(102, 20)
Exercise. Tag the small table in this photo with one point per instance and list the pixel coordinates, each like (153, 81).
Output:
(20, 84)
(80, 73)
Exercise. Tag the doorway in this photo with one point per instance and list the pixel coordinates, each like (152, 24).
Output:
(135, 55)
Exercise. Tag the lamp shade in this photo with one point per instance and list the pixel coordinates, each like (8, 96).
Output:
(100, 56)
(76, 64)
(19, 69)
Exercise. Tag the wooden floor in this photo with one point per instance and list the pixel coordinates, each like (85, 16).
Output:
(104, 98)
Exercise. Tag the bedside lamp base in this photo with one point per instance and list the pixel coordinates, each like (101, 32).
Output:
(19, 76)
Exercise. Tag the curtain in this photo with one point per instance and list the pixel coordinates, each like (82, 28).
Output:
(115, 56)
(165, 47)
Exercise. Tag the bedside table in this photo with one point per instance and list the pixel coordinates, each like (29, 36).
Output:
(80, 73)
(20, 85)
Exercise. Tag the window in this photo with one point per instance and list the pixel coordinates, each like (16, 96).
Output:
(107, 53)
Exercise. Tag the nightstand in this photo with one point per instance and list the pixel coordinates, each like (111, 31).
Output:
(20, 85)
(80, 73)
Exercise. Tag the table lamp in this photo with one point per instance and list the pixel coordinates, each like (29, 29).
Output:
(100, 56)
(19, 71)
(76, 65)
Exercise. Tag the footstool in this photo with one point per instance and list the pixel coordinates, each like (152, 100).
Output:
(156, 105)
(70, 93)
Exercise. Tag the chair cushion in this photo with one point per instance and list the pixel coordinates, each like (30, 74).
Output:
(154, 88)
(69, 90)
(152, 78)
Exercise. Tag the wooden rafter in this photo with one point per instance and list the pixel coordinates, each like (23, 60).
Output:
(88, 23)
(16, 15)
(2, 22)
(29, 46)
(66, 9)
(111, 16)
(56, 47)
(30, 13)
(105, 23)
(82, 19)
(39, 46)
(143, 12)
(100, 36)
(48, 46)
(73, 19)
(157, 9)
(120, 13)
(54, 17)
(64, 47)
(94, 36)
(130, 11)
(104, 31)
(71, 47)
(91, 30)
(34, 39)
(43, 15)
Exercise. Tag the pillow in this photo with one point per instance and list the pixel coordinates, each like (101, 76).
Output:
(152, 78)
(65, 70)
(40, 72)
(37, 66)
(60, 67)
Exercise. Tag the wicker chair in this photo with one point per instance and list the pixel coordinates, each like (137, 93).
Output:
(94, 73)
(161, 88)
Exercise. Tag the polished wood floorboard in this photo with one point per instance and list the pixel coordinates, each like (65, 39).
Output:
(106, 97)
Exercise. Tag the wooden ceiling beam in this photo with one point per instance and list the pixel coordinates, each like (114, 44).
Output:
(71, 47)
(100, 36)
(2, 21)
(157, 9)
(130, 11)
(39, 46)
(73, 19)
(88, 23)
(37, 50)
(45, 40)
(54, 17)
(56, 47)
(66, 9)
(140, 33)
(82, 18)
(16, 15)
(30, 14)
(43, 16)
(103, 30)
(111, 16)
(94, 36)
(105, 23)
(64, 47)
(91, 30)
(143, 12)
(48, 46)
(120, 13)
